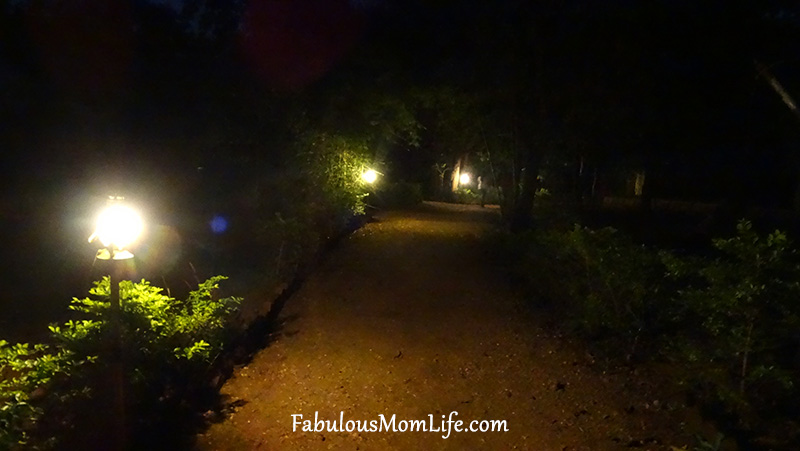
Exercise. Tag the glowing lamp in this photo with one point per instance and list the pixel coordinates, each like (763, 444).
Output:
(464, 179)
(118, 226)
(369, 176)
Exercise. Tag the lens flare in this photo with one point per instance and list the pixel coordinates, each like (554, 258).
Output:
(218, 224)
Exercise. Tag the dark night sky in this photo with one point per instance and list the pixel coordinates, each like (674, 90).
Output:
(134, 99)
(90, 86)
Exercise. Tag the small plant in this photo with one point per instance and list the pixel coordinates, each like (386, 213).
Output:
(160, 335)
(731, 322)
(467, 196)
(25, 374)
(167, 345)
(608, 285)
(744, 304)
(333, 164)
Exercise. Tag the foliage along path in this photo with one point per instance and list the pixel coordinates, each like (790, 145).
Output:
(409, 317)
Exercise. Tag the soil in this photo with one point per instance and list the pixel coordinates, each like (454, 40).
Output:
(411, 316)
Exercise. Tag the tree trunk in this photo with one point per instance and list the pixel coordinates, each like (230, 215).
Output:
(522, 213)
(646, 188)
(456, 176)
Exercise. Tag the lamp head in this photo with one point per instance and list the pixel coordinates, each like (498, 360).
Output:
(118, 226)
(369, 176)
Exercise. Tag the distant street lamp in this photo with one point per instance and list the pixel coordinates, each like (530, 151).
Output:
(118, 226)
(464, 179)
(369, 176)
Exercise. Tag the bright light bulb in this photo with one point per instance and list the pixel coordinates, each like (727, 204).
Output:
(118, 226)
(369, 176)
(465, 179)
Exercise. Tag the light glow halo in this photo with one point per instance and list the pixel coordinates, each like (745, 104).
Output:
(369, 176)
(118, 226)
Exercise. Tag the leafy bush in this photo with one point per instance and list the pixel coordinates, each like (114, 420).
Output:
(490, 195)
(166, 346)
(604, 284)
(466, 196)
(333, 164)
(729, 323)
(159, 334)
(25, 371)
(745, 317)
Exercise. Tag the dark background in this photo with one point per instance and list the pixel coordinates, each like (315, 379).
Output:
(189, 108)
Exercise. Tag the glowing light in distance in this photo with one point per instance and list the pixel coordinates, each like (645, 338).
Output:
(369, 176)
(118, 226)
(465, 179)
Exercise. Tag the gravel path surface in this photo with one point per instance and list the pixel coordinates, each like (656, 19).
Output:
(408, 317)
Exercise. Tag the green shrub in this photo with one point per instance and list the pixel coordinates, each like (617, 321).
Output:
(332, 164)
(490, 195)
(159, 335)
(466, 196)
(730, 323)
(166, 345)
(604, 285)
(25, 372)
(744, 315)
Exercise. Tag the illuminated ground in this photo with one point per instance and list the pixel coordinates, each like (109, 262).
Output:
(409, 317)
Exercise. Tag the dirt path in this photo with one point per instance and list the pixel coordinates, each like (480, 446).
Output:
(408, 318)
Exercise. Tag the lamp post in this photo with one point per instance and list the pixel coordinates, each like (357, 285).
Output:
(118, 226)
